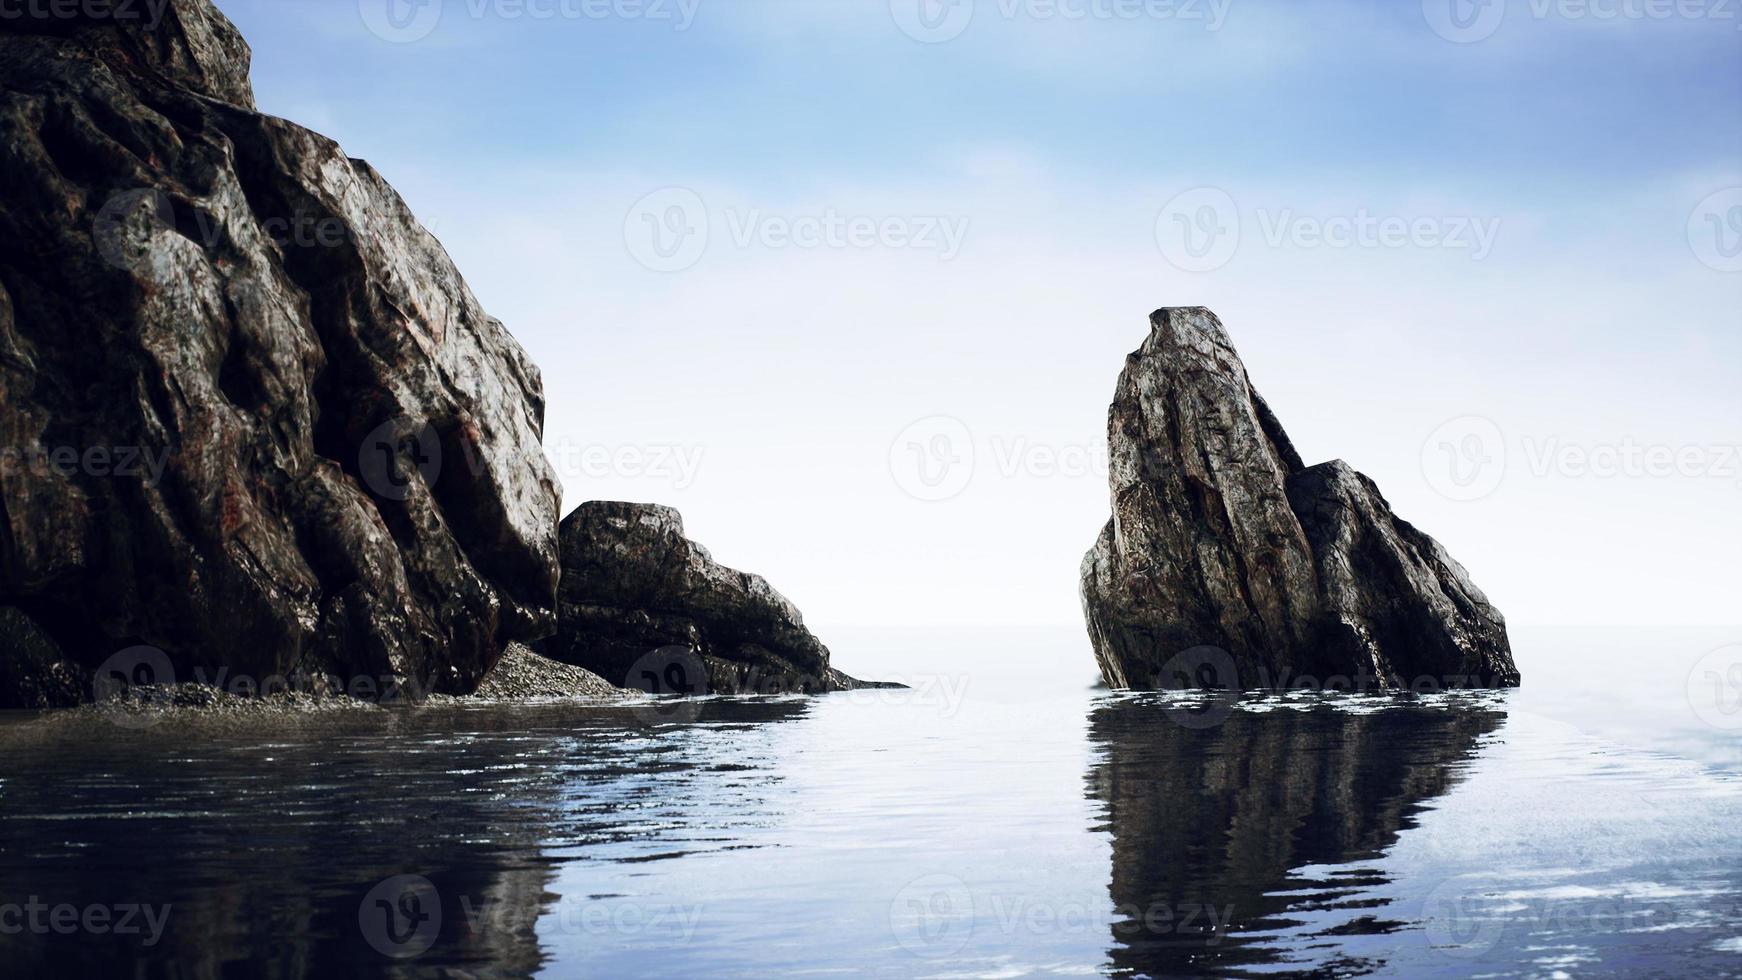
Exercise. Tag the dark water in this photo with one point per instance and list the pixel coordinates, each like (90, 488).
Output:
(950, 831)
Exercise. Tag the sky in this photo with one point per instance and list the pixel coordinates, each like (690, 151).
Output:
(850, 283)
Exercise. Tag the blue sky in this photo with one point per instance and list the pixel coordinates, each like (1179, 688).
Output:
(1563, 191)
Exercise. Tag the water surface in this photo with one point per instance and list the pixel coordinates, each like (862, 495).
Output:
(1002, 821)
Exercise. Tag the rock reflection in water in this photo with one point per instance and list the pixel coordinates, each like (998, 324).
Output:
(270, 848)
(1209, 820)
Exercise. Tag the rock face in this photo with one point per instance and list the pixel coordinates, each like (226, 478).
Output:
(254, 417)
(634, 588)
(1225, 554)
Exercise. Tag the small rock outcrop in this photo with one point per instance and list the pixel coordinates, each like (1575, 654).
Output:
(524, 675)
(254, 417)
(1226, 554)
(634, 589)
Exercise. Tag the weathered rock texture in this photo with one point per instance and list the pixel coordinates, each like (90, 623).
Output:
(253, 415)
(1221, 538)
(633, 585)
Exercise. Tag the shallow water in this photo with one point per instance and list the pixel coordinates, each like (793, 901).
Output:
(1004, 820)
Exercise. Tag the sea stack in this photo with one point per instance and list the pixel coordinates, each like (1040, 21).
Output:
(1230, 563)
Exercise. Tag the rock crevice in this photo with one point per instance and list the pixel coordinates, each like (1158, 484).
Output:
(1226, 555)
(339, 461)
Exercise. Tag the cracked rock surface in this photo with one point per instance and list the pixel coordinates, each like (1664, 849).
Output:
(637, 594)
(1228, 562)
(254, 416)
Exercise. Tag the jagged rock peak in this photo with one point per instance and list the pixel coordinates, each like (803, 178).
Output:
(183, 44)
(1229, 562)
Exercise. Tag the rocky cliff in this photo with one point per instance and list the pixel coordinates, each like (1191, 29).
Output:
(1228, 562)
(253, 415)
(638, 596)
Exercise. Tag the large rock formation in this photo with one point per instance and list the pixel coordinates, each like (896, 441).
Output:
(637, 596)
(1227, 556)
(254, 417)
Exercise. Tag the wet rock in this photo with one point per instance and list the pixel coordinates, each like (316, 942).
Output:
(1228, 562)
(523, 675)
(637, 595)
(34, 673)
(1391, 599)
(255, 417)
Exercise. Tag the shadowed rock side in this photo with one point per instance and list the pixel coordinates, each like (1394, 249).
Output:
(1209, 823)
(1221, 538)
(254, 416)
(632, 584)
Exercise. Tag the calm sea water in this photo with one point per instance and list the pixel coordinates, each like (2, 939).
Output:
(1002, 819)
